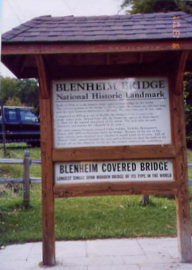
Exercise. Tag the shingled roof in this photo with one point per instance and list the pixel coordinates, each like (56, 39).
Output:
(152, 26)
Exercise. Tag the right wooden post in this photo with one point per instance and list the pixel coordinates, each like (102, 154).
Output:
(182, 195)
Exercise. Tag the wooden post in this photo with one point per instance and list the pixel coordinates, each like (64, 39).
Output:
(182, 196)
(26, 179)
(3, 130)
(145, 200)
(183, 225)
(47, 166)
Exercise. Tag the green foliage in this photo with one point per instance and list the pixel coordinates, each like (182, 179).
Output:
(149, 6)
(13, 101)
(8, 89)
(29, 92)
(188, 106)
(17, 92)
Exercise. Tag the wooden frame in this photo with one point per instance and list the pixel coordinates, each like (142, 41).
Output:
(176, 151)
(99, 47)
(115, 153)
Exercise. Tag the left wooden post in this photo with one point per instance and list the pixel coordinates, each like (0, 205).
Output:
(26, 179)
(47, 165)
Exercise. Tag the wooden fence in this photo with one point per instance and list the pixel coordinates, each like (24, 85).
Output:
(27, 180)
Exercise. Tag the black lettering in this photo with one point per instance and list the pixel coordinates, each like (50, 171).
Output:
(104, 167)
(76, 168)
(109, 167)
(161, 166)
(135, 85)
(81, 86)
(73, 87)
(161, 84)
(90, 86)
(99, 86)
(71, 168)
(124, 166)
(165, 166)
(59, 87)
(142, 166)
(155, 166)
(94, 168)
(118, 167)
(154, 84)
(147, 166)
(133, 166)
(62, 169)
(145, 84)
(86, 168)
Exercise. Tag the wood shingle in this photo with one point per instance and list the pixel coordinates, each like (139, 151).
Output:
(152, 26)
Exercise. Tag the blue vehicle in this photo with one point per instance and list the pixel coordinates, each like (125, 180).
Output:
(21, 124)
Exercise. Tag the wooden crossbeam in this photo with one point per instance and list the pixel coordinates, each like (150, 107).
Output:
(100, 47)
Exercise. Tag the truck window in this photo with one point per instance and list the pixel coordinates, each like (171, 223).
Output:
(11, 115)
(28, 116)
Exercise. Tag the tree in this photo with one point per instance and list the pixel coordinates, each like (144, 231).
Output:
(188, 106)
(13, 101)
(19, 92)
(8, 89)
(29, 92)
(149, 6)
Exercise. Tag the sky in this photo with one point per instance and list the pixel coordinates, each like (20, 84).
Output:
(16, 12)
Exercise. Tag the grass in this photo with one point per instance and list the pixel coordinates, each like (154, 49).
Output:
(119, 216)
(18, 224)
(84, 218)
(17, 151)
(88, 218)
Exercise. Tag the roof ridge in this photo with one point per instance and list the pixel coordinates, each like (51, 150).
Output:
(112, 16)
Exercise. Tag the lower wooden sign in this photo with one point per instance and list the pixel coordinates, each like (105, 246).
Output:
(115, 171)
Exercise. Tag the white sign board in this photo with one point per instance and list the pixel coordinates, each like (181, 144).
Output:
(111, 112)
(143, 170)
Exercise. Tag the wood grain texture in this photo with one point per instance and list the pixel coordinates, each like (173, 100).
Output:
(114, 188)
(42, 77)
(47, 183)
(99, 47)
(114, 153)
(182, 195)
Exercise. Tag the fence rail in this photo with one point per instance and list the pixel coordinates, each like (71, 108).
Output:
(33, 180)
(11, 160)
(27, 180)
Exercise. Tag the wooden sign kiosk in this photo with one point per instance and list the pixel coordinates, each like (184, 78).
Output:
(111, 105)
